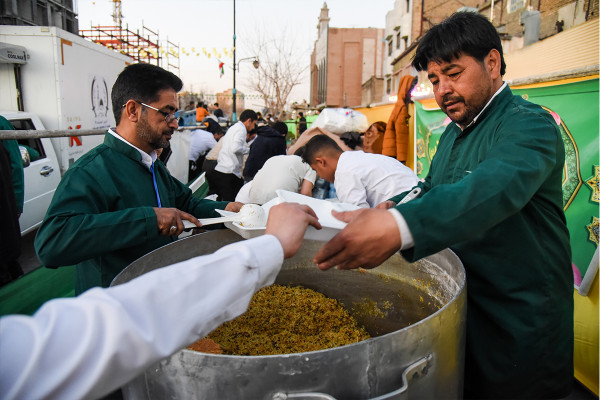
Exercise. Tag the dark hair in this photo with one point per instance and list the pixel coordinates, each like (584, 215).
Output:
(216, 104)
(141, 82)
(300, 151)
(464, 32)
(281, 127)
(317, 144)
(248, 114)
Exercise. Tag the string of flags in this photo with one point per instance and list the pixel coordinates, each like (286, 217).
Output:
(172, 51)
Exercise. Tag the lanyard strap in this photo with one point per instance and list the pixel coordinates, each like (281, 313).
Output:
(155, 187)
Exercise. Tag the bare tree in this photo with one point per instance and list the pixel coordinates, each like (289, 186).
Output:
(282, 67)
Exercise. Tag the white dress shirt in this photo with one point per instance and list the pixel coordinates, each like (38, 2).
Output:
(147, 159)
(232, 153)
(201, 142)
(88, 346)
(367, 179)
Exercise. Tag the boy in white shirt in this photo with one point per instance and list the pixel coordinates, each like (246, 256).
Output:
(360, 178)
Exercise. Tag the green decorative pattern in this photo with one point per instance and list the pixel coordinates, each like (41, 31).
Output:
(592, 182)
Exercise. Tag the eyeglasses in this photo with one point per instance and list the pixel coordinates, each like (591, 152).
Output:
(168, 116)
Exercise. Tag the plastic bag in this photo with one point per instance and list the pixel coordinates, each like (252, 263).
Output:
(341, 120)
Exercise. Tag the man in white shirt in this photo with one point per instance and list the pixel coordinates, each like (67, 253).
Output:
(88, 346)
(281, 172)
(202, 141)
(226, 180)
(362, 179)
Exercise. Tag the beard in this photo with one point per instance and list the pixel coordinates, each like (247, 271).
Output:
(152, 136)
(464, 116)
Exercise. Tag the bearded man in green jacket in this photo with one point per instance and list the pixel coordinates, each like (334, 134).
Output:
(118, 201)
(493, 195)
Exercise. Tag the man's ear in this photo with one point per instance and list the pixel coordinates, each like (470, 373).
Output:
(493, 63)
(131, 110)
(321, 161)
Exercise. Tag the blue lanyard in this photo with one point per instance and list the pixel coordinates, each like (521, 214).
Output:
(155, 187)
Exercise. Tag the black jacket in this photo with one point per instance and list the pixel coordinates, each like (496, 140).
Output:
(268, 143)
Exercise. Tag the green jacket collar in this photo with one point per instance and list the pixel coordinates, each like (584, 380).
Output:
(122, 147)
(502, 97)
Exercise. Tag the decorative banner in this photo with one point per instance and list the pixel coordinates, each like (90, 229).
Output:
(221, 69)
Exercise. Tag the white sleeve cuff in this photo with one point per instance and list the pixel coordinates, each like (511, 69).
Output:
(407, 239)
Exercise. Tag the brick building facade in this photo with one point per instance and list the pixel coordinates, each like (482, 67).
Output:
(342, 60)
(519, 22)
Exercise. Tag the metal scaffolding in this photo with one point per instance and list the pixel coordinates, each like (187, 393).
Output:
(142, 47)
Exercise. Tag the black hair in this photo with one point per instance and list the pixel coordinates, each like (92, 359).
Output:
(316, 144)
(248, 114)
(281, 127)
(300, 151)
(216, 104)
(464, 32)
(141, 82)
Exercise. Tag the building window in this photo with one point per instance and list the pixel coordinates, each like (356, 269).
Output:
(390, 47)
(405, 40)
(408, 6)
(398, 40)
(514, 5)
(388, 86)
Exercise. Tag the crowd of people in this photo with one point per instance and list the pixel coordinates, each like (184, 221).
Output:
(492, 195)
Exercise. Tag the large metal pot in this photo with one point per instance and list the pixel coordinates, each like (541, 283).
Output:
(415, 314)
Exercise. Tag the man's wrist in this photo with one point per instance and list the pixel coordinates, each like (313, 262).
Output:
(405, 234)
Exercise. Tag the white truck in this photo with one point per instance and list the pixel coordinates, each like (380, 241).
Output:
(52, 79)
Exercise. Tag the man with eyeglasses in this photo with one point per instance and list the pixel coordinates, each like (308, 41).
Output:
(118, 202)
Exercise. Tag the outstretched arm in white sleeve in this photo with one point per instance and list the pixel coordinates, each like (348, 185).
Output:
(90, 345)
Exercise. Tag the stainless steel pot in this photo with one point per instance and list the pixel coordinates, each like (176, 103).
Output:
(415, 314)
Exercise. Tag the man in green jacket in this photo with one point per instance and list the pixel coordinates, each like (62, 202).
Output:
(492, 195)
(12, 189)
(118, 202)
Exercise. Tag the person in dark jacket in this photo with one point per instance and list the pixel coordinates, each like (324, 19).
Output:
(11, 206)
(270, 141)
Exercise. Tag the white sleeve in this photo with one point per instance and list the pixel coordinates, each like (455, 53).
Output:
(90, 345)
(405, 233)
(239, 143)
(310, 174)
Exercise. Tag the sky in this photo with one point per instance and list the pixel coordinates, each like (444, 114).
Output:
(207, 25)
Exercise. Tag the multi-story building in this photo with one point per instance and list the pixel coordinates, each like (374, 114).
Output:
(398, 38)
(59, 13)
(519, 22)
(343, 59)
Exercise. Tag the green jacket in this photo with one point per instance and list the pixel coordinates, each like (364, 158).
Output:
(493, 195)
(101, 216)
(16, 164)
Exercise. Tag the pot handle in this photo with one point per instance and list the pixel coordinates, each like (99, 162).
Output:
(302, 396)
(414, 371)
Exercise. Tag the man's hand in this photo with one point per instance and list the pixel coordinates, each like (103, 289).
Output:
(234, 206)
(170, 220)
(386, 205)
(288, 223)
(369, 239)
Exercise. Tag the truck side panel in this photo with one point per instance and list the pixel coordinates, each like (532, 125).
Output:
(67, 82)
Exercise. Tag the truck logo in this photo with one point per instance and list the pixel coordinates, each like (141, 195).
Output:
(99, 97)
